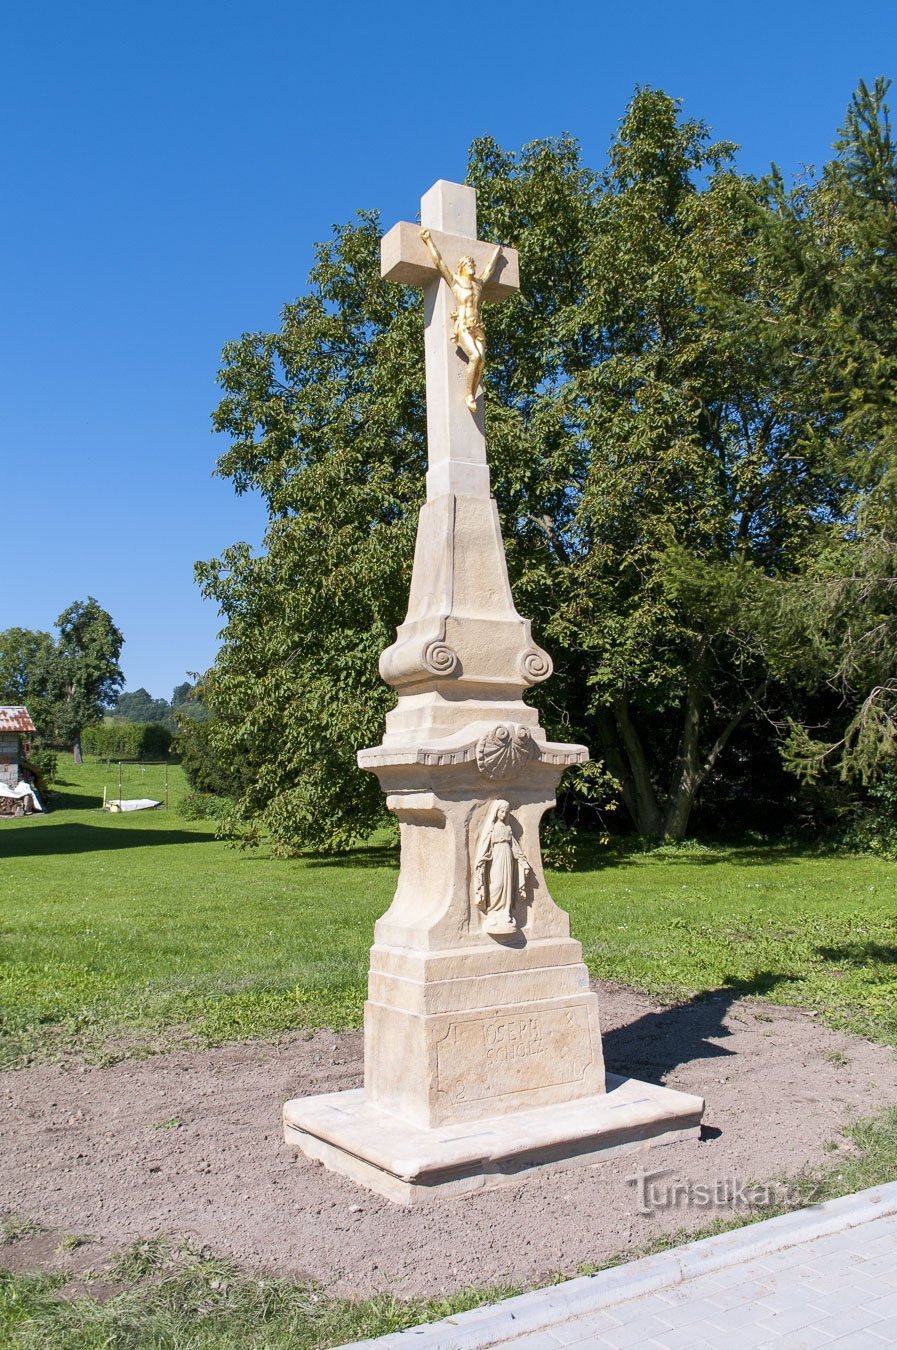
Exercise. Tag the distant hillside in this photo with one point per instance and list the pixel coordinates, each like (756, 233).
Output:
(140, 706)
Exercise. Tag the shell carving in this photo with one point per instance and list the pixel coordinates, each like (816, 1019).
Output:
(504, 751)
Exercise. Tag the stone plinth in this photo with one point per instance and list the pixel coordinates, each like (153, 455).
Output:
(483, 1053)
(458, 1020)
(409, 1164)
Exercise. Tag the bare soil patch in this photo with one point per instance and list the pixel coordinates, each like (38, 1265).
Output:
(190, 1143)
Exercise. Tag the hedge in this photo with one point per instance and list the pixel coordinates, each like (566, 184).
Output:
(126, 740)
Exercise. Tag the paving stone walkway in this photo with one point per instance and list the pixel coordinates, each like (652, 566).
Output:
(821, 1276)
(837, 1291)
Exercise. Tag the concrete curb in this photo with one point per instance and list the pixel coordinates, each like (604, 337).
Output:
(499, 1322)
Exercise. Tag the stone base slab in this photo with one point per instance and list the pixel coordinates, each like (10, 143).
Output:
(408, 1163)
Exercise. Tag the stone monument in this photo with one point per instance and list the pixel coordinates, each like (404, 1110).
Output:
(482, 1046)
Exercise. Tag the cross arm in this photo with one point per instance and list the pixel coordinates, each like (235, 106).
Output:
(404, 257)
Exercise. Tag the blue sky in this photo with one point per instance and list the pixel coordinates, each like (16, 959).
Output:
(167, 169)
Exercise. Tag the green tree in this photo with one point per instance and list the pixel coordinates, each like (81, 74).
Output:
(28, 674)
(659, 455)
(187, 701)
(842, 616)
(138, 705)
(327, 419)
(88, 674)
(666, 440)
(205, 772)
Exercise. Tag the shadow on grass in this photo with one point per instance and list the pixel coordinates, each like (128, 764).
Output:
(656, 1043)
(68, 796)
(367, 855)
(592, 856)
(75, 801)
(76, 838)
(860, 954)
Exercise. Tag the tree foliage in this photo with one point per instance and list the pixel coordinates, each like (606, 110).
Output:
(670, 457)
(842, 233)
(89, 674)
(28, 673)
(205, 773)
(66, 682)
(138, 705)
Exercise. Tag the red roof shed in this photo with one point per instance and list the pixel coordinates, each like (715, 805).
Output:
(14, 718)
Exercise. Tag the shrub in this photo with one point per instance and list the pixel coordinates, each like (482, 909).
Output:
(205, 806)
(850, 816)
(204, 771)
(126, 740)
(43, 762)
(875, 829)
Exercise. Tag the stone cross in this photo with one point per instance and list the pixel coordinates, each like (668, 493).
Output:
(456, 436)
(482, 1043)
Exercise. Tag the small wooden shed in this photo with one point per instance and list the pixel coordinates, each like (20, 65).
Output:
(15, 726)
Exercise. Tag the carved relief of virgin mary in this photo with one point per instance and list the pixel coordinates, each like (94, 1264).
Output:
(501, 871)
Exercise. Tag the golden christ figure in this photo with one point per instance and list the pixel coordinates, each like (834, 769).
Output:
(468, 332)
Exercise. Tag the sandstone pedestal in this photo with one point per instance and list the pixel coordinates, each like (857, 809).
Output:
(483, 1054)
(407, 1163)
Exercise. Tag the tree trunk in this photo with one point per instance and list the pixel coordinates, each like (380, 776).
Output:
(691, 772)
(76, 751)
(615, 759)
(685, 784)
(638, 790)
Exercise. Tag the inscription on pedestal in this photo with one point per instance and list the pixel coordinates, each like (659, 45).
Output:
(503, 1054)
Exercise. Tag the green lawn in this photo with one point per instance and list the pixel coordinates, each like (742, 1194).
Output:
(130, 932)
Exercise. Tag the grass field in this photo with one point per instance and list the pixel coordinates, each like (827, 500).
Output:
(128, 933)
(125, 934)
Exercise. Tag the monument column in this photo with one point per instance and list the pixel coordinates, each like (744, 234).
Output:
(482, 1043)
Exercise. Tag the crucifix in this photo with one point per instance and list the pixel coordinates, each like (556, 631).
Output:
(482, 1043)
(457, 272)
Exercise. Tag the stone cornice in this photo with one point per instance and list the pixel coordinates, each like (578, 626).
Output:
(499, 752)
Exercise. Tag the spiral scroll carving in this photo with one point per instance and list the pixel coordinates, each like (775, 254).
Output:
(439, 658)
(504, 750)
(535, 665)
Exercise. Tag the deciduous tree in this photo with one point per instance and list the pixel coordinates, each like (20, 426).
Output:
(88, 674)
(661, 452)
(840, 614)
(28, 674)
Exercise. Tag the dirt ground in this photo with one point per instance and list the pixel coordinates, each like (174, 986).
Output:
(190, 1144)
